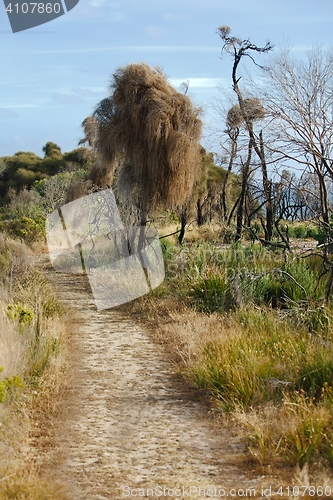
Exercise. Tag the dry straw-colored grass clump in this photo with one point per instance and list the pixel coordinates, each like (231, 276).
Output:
(155, 130)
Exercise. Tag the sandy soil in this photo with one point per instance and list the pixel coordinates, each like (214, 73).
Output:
(129, 421)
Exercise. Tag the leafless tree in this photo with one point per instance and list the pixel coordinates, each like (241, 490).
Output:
(298, 94)
(247, 111)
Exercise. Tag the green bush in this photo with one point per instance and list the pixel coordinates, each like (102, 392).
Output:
(301, 231)
(317, 234)
(315, 369)
(9, 387)
(20, 313)
(168, 248)
(288, 285)
(26, 228)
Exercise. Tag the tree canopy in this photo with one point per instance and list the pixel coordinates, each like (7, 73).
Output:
(25, 168)
(156, 130)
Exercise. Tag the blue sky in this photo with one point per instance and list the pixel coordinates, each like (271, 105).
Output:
(52, 76)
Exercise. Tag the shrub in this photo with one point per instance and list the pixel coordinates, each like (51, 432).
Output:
(287, 285)
(26, 228)
(300, 231)
(212, 294)
(168, 249)
(315, 369)
(9, 387)
(21, 313)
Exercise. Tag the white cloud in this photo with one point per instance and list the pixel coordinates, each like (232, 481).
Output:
(101, 3)
(116, 16)
(95, 11)
(89, 92)
(96, 3)
(195, 83)
(140, 48)
(16, 105)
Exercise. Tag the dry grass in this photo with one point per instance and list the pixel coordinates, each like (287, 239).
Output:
(23, 485)
(211, 232)
(32, 339)
(14, 347)
(29, 432)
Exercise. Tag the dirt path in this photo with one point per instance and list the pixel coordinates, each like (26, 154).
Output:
(132, 422)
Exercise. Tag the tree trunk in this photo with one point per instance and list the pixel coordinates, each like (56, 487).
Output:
(200, 217)
(245, 179)
(323, 199)
(267, 184)
(183, 220)
(233, 134)
(141, 245)
(259, 151)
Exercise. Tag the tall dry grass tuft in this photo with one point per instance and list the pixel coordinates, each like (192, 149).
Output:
(156, 130)
(23, 485)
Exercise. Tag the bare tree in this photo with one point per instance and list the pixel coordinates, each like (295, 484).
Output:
(299, 96)
(247, 111)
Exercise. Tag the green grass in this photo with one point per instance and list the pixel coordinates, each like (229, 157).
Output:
(212, 294)
(217, 279)
(260, 360)
(265, 347)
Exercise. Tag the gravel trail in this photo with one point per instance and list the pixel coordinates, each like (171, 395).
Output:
(133, 427)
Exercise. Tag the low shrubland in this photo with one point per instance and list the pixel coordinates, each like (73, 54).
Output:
(24, 215)
(250, 325)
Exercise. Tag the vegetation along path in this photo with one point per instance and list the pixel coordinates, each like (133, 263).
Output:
(131, 422)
